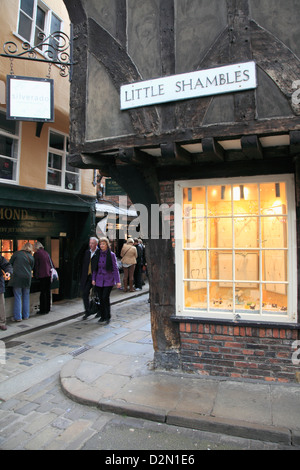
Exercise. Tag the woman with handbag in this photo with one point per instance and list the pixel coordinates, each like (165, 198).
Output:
(105, 277)
(128, 256)
(22, 262)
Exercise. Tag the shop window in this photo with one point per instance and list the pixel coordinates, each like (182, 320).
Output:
(9, 148)
(7, 248)
(236, 249)
(60, 174)
(37, 21)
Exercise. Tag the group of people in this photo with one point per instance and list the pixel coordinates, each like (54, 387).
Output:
(100, 271)
(18, 271)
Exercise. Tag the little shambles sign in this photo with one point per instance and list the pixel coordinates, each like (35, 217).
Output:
(227, 79)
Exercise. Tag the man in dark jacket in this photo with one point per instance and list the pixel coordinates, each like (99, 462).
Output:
(42, 272)
(6, 271)
(89, 264)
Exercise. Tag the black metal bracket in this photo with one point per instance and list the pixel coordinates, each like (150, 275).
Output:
(56, 49)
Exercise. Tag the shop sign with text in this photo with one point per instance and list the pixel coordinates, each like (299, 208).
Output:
(30, 99)
(226, 79)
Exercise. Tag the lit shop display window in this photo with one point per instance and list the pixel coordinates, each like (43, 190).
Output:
(236, 249)
(8, 247)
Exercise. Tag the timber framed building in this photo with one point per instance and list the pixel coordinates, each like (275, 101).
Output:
(224, 285)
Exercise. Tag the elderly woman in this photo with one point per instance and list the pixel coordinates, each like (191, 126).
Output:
(105, 277)
(128, 255)
(22, 262)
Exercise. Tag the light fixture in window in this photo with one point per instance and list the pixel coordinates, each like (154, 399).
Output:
(277, 189)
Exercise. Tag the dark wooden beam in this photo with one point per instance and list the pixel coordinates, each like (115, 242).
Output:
(174, 154)
(295, 143)
(251, 147)
(212, 149)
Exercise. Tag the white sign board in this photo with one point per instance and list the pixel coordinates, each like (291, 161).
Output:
(30, 99)
(227, 79)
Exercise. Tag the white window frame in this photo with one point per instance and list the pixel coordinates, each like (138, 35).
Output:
(64, 154)
(290, 316)
(49, 13)
(17, 138)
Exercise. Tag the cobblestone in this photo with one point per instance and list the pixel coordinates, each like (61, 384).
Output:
(41, 417)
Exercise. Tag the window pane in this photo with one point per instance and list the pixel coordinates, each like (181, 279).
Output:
(57, 141)
(72, 182)
(245, 199)
(7, 169)
(247, 268)
(194, 201)
(275, 266)
(195, 294)
(25, 27)
(194, 233)
(8, 126)
(273, 198)
(275, 299)
(40, 18)
(7, 248)
(195, 265)
(55, 161)
(27, 7)
(55, 24)
(221, 266)
(274, 232)
(221, 233)
(221, 297)
(246, 233)
(54, 178)
(6, 146)
(219, 200)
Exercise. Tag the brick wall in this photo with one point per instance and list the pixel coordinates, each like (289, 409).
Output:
(249, 352)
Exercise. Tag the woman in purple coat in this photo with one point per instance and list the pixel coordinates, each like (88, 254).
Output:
(106, 276)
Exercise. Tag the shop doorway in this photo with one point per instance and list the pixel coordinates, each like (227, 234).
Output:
(60, 258)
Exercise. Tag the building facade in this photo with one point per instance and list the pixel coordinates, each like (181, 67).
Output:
(194, 109)
(41, 197)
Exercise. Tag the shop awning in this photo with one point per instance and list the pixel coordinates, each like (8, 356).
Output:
(105, 208)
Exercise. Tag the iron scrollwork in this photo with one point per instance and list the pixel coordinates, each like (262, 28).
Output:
(56, 49)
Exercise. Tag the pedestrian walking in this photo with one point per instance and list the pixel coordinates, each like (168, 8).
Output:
(128, 257)
(42, 272)
(6, 271)
(22, 262)
(105, 277)
(89, 264)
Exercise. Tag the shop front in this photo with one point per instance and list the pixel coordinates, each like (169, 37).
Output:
(62, 223)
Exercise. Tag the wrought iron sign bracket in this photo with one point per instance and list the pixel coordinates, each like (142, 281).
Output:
(56, 49)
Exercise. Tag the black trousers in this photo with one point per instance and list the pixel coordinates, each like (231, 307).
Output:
(104, 294)
(45, 296)
(138, 276)
(86, 294)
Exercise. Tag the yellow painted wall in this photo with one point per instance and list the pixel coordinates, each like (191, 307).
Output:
(34, 150)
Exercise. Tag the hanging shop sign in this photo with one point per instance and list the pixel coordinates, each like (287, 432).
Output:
(227, 79)
(30, 99)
